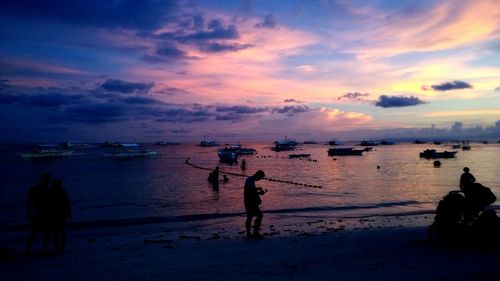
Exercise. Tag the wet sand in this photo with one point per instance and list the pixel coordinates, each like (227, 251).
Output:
(378, 248)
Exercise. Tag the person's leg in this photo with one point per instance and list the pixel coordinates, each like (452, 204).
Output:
(248, 224)
(258, 222)
(46, 238)
(31, 238)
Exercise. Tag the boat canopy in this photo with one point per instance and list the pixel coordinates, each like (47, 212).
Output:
(129, 145)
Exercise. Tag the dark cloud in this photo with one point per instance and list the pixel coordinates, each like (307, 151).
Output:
(292, 101)
(353, 96)
(455, 85)
(291, 109)
(223, 47)
(170, 52)
(141, 100)
(41, 100)
(241, 109)
(128, 14)
(121, 86)
(397, 101)
(93, 112)
(268, 22)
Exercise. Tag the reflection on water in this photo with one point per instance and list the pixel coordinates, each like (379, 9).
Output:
(107, 189)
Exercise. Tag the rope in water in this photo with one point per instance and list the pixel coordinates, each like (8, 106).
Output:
(242, 175)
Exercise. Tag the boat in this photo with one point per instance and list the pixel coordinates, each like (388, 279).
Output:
(333, 142)
(228, 156)
(291, 156)
(384, 142)
(344, 151)
(368, 143)
(466, 146)
(166, 143)
(47, 151)
(456, 146)
(111, 144)
(433, 154)
(437, 142)
(284, 144)
(130, 150)
(75, 144)
(208, 143)
(247, 151)
(310, 142)
(419, 142)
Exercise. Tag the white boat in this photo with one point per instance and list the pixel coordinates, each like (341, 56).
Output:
(75, 144)
(228, 156)
(284, 144)
(130, 150)
(47, 151)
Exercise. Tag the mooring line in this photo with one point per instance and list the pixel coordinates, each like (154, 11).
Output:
(242, 175)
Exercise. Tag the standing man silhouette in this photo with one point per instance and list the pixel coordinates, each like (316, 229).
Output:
(252, 201)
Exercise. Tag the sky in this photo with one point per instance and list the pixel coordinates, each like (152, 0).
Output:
(248, 70)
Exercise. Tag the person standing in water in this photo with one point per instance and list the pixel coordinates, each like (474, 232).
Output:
(37, 205)
(243, 164)
(466, 180)
(252, 201)
(59, 212)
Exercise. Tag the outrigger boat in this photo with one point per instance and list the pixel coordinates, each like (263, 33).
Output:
(130, 150)
(284, 144)
(345, 151)
(47, 151)
(228, 156)
(433, 154)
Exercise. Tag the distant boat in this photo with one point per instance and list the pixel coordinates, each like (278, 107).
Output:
(247, 151)
(333, 142)
(208, 143)
(47, 151)
(485, 142)
(433, 154)
(310, 142)
(228, 156)
(75, 144)
(368, 143)
(386, 142)
(419, 142)
(456, 146)
(466, 146)
(437, 142)
(166, 143)
(111, 144)
(345, 151)
(130, 150)
(284, 144)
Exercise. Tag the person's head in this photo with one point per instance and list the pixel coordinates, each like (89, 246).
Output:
(259, 175)
(57, 183)
(466, 169)
(216, 168)
(45, 179)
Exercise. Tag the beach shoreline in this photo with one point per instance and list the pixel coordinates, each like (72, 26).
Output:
(381, 248)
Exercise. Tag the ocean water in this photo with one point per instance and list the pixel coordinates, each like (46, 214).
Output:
(166, 189)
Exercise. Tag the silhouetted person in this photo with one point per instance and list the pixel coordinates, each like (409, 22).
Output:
(252, 201)
(59, 212)
(466, 180)
(37, 211)
(215, 178)
(243, 164)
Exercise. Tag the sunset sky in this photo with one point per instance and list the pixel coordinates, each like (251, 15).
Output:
(248, 70)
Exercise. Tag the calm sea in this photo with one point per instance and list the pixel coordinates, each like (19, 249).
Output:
(165, 188)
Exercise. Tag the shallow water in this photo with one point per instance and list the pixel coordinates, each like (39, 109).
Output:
(166, 189)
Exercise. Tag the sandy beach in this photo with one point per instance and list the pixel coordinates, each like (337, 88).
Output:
(378, 248)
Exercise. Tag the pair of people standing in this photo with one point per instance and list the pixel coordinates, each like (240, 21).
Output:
(48, 208)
